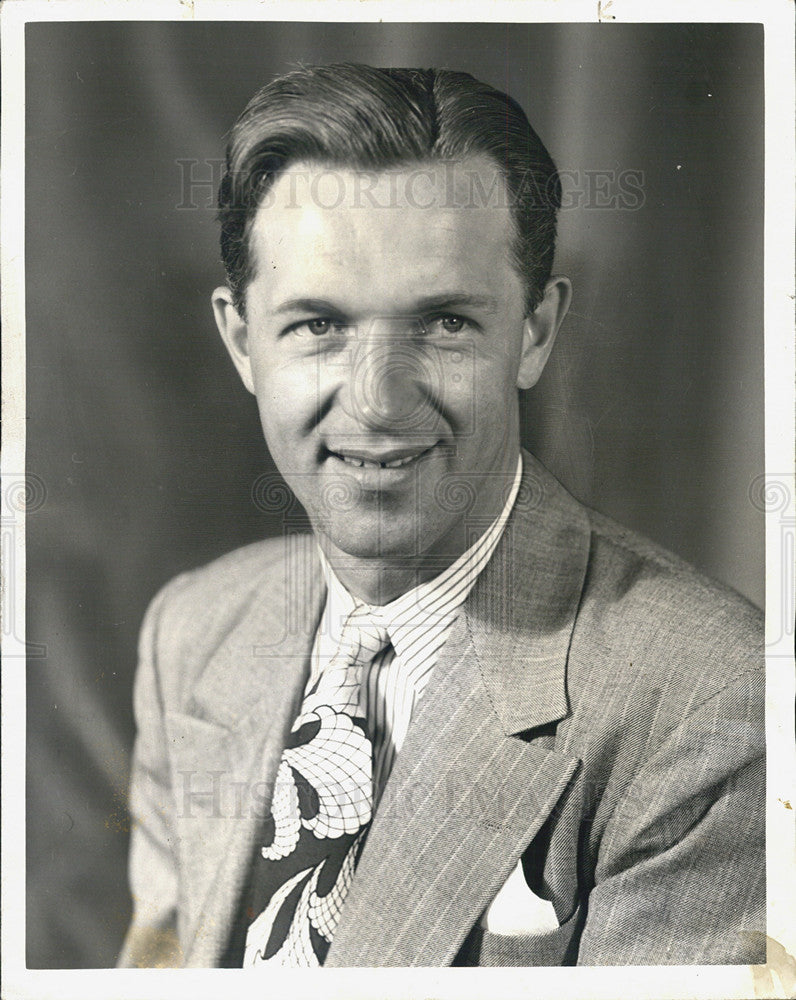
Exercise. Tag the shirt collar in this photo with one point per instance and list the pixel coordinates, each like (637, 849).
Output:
(431, 605)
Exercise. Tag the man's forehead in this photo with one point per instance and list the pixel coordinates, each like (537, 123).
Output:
(473, 183)
(462, 196)
(445, 222)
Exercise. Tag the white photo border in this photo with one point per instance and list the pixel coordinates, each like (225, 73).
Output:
(778, 977)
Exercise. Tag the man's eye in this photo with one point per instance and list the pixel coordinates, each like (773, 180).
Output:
(320, 327)
(447, 323)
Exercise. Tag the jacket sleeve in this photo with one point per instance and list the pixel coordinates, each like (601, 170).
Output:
(151, 939)
(680, 874)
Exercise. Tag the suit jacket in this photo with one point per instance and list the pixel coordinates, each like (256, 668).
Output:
(595, 718)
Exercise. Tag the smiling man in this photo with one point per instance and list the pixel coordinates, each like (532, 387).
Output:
(385, 340)
(466, 720)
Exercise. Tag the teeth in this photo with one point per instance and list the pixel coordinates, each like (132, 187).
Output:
(360, 463)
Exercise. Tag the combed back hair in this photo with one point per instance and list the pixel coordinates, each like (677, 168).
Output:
(363, 118)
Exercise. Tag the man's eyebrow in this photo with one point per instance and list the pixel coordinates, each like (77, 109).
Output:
(323, 306)
(429, 303)
(456, 300)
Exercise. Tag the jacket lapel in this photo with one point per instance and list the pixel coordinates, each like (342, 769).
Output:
(243, 707)
(472, 784)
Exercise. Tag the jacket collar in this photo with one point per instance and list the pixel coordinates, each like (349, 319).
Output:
(522, 610)
(268, 649)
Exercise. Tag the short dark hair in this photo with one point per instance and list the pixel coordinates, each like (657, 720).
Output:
(361, 117)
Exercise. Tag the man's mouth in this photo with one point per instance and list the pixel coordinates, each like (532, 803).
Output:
(362, 463)
(394, 459)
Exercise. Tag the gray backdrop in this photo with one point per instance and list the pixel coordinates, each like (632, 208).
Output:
(146, 448)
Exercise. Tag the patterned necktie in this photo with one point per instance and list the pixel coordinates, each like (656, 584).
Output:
(320, 811)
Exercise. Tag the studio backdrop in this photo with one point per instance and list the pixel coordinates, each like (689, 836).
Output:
(144, 449)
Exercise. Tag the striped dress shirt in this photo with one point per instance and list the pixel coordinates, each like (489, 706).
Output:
(418, 623)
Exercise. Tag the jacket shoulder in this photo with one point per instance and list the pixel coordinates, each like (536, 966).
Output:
(641, 570)
(650, 613)
(227, 581)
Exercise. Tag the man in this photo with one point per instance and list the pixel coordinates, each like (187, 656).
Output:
(467, 720)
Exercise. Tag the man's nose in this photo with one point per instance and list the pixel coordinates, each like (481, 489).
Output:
(392, 378)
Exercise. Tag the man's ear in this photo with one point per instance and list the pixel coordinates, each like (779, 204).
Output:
(541, 327)
(235, 334)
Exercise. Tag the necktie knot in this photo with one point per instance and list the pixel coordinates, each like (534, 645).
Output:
(362, 637)
(368, 629)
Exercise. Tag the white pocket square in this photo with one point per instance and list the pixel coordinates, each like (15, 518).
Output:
(516, 910)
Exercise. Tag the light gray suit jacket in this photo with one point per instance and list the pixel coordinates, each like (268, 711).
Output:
(596, 713)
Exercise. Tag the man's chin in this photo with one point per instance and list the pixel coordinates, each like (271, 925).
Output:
(395, 543)
(363, 547)
(382, 539)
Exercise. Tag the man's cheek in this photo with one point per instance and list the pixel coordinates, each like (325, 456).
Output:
(489, 398)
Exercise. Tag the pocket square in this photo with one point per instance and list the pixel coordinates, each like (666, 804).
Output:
(517, 910)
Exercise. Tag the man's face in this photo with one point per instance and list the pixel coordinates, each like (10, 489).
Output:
(385, 340)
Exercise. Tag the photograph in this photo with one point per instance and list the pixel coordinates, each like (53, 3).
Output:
(395, 498)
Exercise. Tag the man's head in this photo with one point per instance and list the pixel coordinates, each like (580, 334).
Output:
(379, 304)
(377, 119)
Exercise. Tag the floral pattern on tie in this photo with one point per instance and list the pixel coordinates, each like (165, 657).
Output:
(323, 783)
(313, 919)
(320, 810)
(323, 796)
